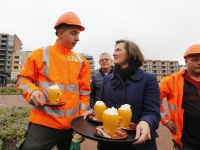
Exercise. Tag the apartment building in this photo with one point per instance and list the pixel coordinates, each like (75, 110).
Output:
(182, 67)
(90, 59)
(8, 45)
(160, 68)
(18, 60)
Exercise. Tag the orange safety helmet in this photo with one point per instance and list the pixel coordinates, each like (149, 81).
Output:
(69, 18)
(193, 49)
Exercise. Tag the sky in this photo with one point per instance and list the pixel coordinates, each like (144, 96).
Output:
(163, 29)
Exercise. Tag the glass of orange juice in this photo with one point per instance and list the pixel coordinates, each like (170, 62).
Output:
(55, 94)
(99, 108)
(111, 121)
(126, 113)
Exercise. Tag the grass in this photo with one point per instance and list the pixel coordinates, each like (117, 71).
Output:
(9, 91)
(14, 123)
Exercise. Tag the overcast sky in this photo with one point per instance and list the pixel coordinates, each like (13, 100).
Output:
(163, 29)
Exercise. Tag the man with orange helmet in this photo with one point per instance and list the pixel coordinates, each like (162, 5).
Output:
(182, 90)
(55, 65)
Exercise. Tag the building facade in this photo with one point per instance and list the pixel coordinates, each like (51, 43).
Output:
(8, 45)
(90, 59)
(18, 60)
(182, 67)
(160, 68)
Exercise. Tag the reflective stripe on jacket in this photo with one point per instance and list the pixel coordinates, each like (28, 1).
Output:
(56, 65)
(171, 87)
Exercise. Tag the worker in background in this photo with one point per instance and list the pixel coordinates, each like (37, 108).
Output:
(105, 62)
(182, 90)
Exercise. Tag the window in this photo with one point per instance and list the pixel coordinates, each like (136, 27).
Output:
(4, 36)
(16, 57)
(10, 43)
(14, 75)
(3, 47)
(11, 38)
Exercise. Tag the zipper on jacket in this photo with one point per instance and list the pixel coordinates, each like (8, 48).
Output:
(65, 89)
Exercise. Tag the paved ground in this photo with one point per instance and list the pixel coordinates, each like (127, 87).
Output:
(164, 141)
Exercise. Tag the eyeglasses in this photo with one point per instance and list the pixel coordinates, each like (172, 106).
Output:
(102, 60)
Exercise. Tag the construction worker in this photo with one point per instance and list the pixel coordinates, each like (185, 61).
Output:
(55, 65)
(182, 92)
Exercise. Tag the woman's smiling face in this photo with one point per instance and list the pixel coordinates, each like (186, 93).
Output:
(120, 55)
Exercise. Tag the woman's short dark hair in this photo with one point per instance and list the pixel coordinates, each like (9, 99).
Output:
(64, 27)
(133, 52)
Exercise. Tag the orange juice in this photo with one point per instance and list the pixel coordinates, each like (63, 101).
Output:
(54, 96)
(126, 115)
(110, 123)
(98, 111)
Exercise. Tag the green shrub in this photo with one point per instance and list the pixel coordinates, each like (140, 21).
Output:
(13, 123)
(9, 91)
(12, 81)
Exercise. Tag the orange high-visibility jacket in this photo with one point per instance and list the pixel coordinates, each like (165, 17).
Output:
(171, 87)
(55, 65)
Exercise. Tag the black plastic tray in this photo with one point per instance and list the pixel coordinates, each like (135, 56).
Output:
(85, 127)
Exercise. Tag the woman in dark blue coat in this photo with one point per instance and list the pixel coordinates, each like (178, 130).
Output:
(128, 84)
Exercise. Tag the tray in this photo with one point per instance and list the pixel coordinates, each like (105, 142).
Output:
(59, 104)
(85, 127)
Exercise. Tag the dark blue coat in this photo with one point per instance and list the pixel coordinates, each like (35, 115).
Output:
(141, 91)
